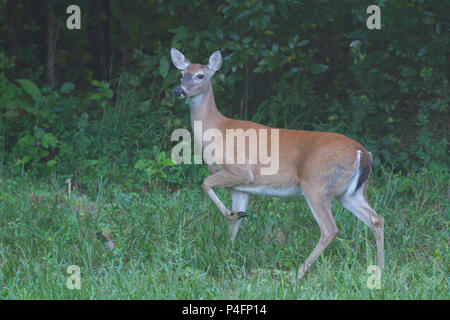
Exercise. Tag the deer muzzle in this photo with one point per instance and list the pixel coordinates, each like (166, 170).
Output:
(179, 92)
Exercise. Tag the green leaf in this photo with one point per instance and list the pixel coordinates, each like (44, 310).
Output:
(26, 159)
(67, 87)
(234, 36)
(164, 67)
(29, 87)
(293, 41)
(292, 72)
(425, 72)
(51, 163)
(109, 93)
(96, 83)
(302, 43)
(219, 33)
(422, 51)
(317, 68)
(243, 14)
(141, 164)
(48, 140)
(92, 163)
(168, 162)
(25, 141)
(96, 96)
(284, 11)
(161, 156)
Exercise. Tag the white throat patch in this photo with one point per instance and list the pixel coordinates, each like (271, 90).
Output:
(196, 100)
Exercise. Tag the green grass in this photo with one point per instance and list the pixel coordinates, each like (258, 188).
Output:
(176, 245)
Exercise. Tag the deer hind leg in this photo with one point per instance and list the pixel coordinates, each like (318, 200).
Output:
(357, 204)
(321, 208)
(223, 179)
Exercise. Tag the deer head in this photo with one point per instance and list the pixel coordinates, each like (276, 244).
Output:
(195, 77)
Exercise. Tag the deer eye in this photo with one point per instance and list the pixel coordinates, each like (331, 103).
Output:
(200, 76)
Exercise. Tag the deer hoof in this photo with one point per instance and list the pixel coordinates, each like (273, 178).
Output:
(237, 215)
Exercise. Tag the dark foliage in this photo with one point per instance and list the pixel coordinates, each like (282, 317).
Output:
(101, 108)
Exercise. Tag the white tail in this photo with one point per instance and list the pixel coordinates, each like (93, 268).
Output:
(318, 165)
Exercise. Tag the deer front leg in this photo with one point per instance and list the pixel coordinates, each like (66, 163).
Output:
(223, 179)
(239, 204)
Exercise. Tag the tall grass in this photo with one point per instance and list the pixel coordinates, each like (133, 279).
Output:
(175, 245)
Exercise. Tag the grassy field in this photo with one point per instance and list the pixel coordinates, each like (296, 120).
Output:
(161, 245)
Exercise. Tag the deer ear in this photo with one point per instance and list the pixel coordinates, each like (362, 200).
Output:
(215, 61)
(178, 59)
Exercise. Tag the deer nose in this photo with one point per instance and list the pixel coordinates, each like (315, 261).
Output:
(179, 92)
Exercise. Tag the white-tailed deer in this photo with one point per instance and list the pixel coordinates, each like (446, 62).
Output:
(318, 165)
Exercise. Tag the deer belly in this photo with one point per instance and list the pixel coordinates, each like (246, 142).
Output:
(271, 191)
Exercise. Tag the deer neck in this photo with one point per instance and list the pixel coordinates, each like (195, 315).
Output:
(203, 108)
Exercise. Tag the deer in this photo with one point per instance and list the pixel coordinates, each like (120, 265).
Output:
(319, 166)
